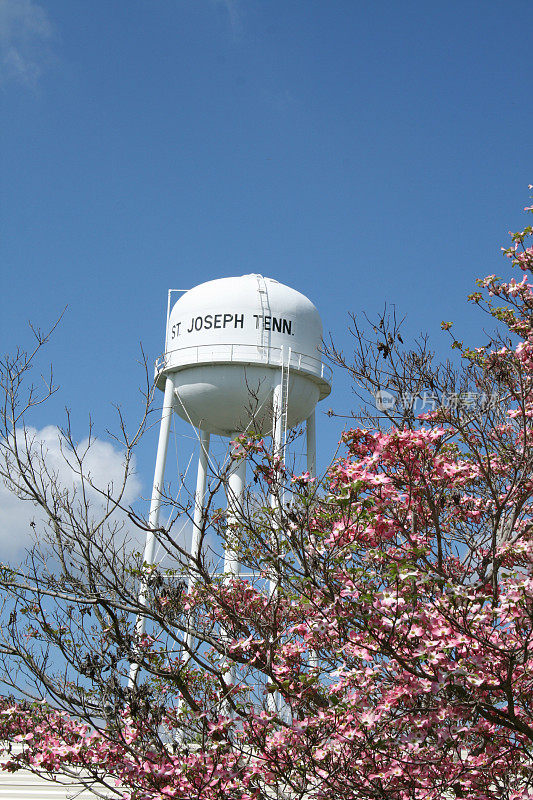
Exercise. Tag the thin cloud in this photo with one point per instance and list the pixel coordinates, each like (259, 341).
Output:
(232, 7)
(26, 35)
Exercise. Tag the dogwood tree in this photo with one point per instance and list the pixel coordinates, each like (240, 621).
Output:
(381, 645)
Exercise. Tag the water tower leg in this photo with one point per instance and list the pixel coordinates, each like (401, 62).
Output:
(155, 505)
(278, 447)
(311, 468)
(274, 703)
(311, 444)
(199, 499)
(277, 420)
(235, 495)
(199, 502)
(278, 438)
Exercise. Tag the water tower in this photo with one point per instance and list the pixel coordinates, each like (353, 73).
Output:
(241, 354)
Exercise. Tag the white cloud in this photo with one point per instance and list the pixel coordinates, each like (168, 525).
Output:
(26, 34)
(103, 462)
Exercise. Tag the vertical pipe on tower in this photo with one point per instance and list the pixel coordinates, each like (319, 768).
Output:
(155, 506)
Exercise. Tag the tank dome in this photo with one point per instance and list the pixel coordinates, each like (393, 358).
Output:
(226, 342)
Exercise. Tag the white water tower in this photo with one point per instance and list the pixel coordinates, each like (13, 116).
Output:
(241, 354)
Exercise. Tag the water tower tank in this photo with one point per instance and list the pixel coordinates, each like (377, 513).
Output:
(227, 340)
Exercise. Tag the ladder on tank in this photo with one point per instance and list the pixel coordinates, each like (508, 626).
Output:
(265, 311)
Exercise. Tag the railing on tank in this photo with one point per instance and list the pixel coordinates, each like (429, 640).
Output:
(243, 354)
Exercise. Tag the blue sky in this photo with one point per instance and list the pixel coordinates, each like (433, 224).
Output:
(361, 152)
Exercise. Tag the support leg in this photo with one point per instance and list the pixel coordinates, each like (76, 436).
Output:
(311, 444)
(278, 418)
(155, 506)
(199, 503)
(199, 500)
(274, 702)
(235, 498)
(311, 468)
(278, 450)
